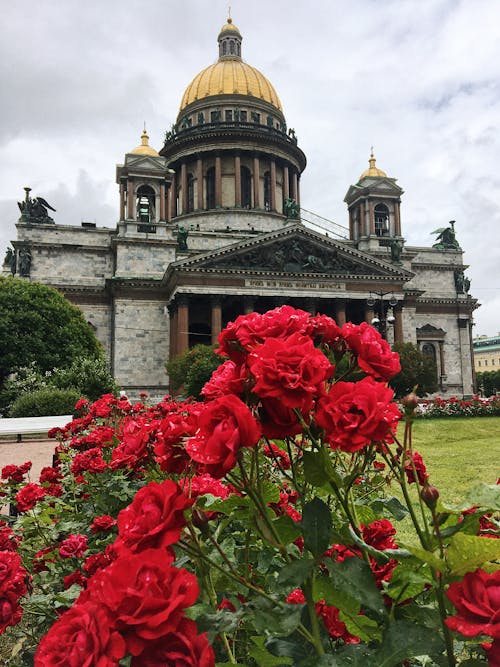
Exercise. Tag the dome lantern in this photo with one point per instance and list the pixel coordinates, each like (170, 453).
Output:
(144, 148)
(229, 41)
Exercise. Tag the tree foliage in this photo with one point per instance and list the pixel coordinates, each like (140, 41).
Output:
(38, 324)
(192, 369)
(488, 383)
(417, 370)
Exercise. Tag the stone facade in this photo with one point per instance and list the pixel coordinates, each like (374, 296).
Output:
(209, 228)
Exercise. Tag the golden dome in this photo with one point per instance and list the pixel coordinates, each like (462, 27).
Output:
(372, 170)
(229, 26)
(144, 148)
(230, 75)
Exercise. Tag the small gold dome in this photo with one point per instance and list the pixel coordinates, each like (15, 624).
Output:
(144, 148)
(229, 27)
(230, 77)
(372, 170)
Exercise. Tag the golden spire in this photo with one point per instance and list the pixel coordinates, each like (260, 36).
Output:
(372, 171)
(144, 148)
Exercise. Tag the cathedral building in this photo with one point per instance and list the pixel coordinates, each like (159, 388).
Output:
(210, 227)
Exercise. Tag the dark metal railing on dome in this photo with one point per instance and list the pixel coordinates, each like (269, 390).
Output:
(226, 125)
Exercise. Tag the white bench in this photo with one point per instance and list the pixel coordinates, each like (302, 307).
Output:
(20, 426)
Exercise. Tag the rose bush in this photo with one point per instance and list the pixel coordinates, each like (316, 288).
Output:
(258, 527)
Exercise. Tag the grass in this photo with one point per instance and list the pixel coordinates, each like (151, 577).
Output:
(458, 452)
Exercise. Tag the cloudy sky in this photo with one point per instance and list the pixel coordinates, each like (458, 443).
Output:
(417, 79)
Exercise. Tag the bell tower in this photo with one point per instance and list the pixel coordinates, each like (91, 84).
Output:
(374, 208)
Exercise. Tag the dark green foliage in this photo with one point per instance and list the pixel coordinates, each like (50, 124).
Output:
(417, 370)
(89, 375)
(193, 368)
(45, 402)
(38, 324)
(488, 383)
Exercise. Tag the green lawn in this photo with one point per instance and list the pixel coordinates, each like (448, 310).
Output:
(459, 452)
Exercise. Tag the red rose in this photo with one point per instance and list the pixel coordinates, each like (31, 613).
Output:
(182, 648)
(89, 461)
(82, 637)
(12, 574)
(416, 465)
(477, 601)
(278, 421)
(75, 577)
(291, 370)
(253, 329)
(325, 329)
(145, 596)
(15, 473)
(227, 379)
(73, 546)
(10, 610)
(28, 496)
(355, 414)
(374, 354)
(133, 448)
(169, 445)
(102, 523)
(50, 475)
(155, 517)
(493, 653)
(226, 425)
(8, 540)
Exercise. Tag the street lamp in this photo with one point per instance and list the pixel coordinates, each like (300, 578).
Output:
(383, 309)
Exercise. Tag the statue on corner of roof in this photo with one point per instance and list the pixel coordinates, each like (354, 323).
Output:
(24, 261)
(291, 209)
(396, 250)
(182, 234)
(11, 260)
(35, 210)
(446, 239)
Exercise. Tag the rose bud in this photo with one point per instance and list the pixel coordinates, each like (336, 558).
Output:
(409, 403)
(430, 495)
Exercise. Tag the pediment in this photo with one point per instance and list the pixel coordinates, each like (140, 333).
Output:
(430, 331)
(145, 162)
(294, 251)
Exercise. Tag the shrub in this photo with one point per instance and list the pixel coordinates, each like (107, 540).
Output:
(417, 370)
(193, 368)
(88, 375)
(45, 402)
(457, 407)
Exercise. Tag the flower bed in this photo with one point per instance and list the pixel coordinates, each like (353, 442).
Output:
(456, 407)
(255, 528)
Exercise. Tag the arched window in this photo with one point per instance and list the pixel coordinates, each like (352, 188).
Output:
(246, 188)
(267, 191)
(231, 47)
(211, 187)
(145, 204)
(381, 220)
(429, 350)
(190, 193)
(224, 48)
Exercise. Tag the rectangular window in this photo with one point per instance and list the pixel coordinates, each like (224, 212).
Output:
(229, 115)
(486, 362)
(243, 116)
(492, 362)
(479, 363)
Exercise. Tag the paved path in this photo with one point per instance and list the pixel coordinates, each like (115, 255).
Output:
(39, 452)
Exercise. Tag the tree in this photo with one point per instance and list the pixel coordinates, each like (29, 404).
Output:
(192, 369)
(417, 370)
(38, 324)
(488, 383)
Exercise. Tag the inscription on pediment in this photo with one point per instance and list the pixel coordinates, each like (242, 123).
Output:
(294, 255)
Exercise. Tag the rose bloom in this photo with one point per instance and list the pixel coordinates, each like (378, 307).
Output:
(226, 425)
(102, 523)
(325, 329)
(291, 370)
(133, 448)
(417, 462)
(8, 540)
(355, 414)
(227, 379)
(90, 461)
(13, 576)
(75, 577)
(477, 601)
(15, 473)
(155, 517)
(11, 611)
(28, 496)
(183, 648)
(82, 637)
(279, 421)
(493, 653)
(169, 445)
(374, 354)
(145, 596)
(73, 546)
(253, 329)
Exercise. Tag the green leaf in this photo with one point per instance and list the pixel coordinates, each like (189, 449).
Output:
(390, 507)
(316, 526)
(293, 574)
(404, 640)
(262, 656)
(354, 578)
(485, 495)
(467, 552)
(361, 626)
(318, 469)
(324, 589)
(287, 529)
(425, 556)
(270, 492)
(406, 583)
(276, 620)
(365, 514)
(226, 506)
